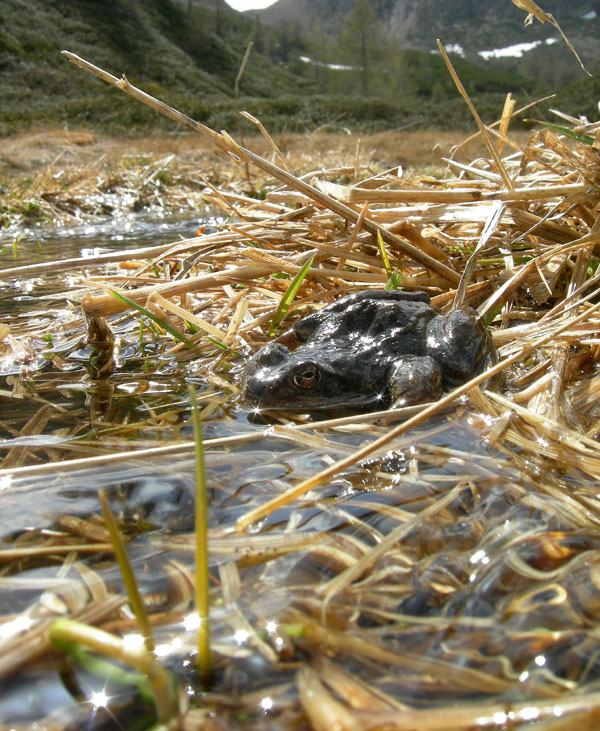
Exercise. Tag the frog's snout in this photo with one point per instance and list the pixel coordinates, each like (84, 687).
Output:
(262, 375)
(271, 355)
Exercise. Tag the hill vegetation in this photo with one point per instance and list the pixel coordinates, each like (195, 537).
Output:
(176, 56)
(189, 54)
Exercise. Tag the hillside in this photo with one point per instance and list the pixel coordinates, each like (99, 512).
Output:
(153, 41)
(417, 23)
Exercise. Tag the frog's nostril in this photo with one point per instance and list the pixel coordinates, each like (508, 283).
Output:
(272, 354)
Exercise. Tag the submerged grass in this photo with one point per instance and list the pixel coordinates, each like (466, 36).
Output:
(204, 660)
(66, 632)
(436, 585)
(160, 321)
(133, 592)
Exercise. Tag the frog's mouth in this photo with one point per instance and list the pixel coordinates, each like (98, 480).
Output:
(342, 405)
(349, 403)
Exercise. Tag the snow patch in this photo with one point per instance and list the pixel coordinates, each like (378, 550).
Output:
(334, 66)
(515, 51)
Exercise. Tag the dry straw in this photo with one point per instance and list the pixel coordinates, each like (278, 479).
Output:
(514, 234)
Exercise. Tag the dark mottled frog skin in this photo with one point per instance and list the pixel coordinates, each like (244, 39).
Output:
(371, 350)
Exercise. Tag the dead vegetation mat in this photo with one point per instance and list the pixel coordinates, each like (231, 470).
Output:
(444, 584)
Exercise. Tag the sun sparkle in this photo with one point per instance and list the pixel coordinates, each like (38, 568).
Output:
(19, 624)
(99, 699)
(241, 636)
(191, 622)
(266, 703)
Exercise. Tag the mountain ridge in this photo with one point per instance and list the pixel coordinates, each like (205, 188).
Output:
(416, 24)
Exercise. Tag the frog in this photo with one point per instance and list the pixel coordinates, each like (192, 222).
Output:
(370, 350)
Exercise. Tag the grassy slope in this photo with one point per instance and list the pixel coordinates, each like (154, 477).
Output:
(152, 41)
(182, 61)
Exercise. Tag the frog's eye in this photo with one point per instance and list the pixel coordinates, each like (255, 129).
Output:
(307, 376)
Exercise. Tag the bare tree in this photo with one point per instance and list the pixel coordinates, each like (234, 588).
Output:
(358, 32)
(219, 28)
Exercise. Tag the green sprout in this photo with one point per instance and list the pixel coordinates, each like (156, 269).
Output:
(288, 297)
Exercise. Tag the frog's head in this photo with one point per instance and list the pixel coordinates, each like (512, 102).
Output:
(277, 378)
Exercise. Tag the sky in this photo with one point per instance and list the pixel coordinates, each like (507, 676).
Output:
(249, 4)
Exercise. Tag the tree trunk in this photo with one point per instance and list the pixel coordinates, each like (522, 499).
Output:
(363, 58)
(218, 17)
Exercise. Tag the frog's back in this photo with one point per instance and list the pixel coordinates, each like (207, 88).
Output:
(388, 315)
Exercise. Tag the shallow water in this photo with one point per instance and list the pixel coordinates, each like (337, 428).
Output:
(38, 244)
(493, 588)
(44, 243)
(489, 590)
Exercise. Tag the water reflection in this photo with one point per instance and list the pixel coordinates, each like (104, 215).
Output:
(503, 611)
(109, 234)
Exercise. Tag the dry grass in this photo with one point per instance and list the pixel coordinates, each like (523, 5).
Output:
(381, 612)
(30, 152)
(59, 176)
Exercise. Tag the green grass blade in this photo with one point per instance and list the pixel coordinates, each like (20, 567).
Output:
(225, 348)
(133, 592)
(166, 326)
(288, 297)
(204, 660)
(490, 315)
(384, 256)
(559, 129)
(394, 281)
